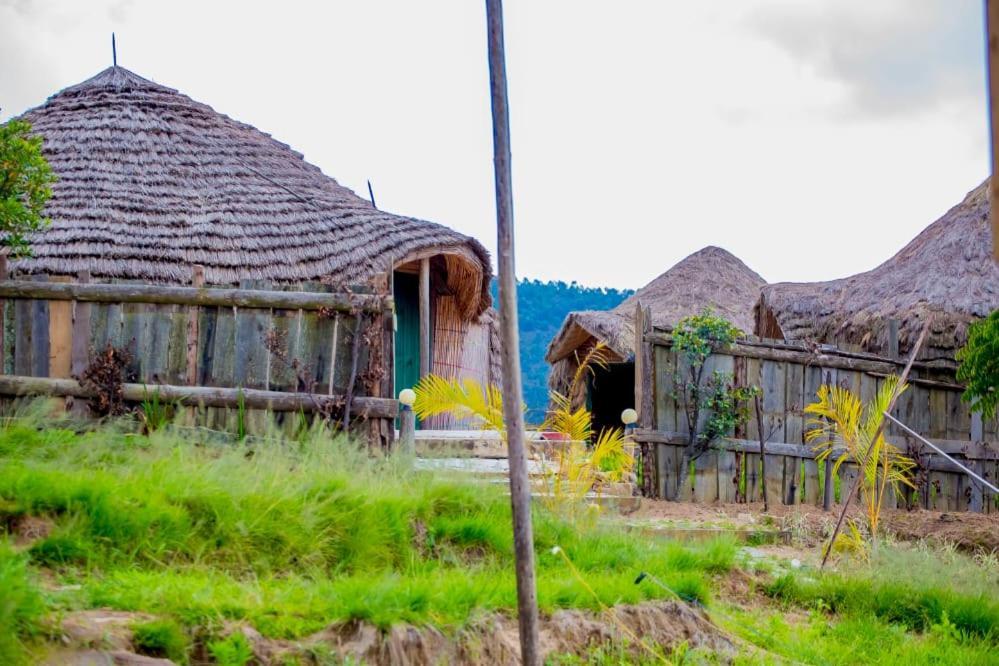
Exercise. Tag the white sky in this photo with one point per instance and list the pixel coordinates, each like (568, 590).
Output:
(811, 138)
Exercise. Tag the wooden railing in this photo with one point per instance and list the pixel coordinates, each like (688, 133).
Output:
(265, 347)
(789, 374)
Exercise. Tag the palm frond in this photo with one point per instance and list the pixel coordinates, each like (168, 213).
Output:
(436, 395)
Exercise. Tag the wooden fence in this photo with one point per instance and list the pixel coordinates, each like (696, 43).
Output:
(789, 375)
(272, 349)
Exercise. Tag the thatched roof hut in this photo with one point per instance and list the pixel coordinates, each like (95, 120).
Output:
(711, 277)
(152, 182)
(946, 273)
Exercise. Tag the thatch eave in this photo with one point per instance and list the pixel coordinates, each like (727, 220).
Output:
(152, 182)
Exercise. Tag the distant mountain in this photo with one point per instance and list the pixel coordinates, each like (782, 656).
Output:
(541, 308)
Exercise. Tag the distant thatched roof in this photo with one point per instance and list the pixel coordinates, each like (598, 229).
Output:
(711, 277)
(946, 273)
(152, 182)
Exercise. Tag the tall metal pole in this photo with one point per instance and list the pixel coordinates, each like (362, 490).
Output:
(513, 414)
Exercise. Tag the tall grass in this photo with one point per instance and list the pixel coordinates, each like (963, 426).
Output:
(914, 588)
(20, 605)
(290, 536)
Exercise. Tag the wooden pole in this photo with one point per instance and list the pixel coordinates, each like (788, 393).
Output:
(763, 453)
(877, 433)
(4, 275)
(513, 414)
(830, 485)
(992, 24)
(424, 317)
(407, 430)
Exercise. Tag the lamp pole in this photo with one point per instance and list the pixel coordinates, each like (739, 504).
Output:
(513, 415)
(407, 422)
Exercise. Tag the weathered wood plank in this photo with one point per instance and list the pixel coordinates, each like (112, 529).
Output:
(40, 336)
(794, 401)
(171, 295)
(812, 489)
(774, 478)
(728, 476)
(665, 404)
(773, 384)
(792, 480)
(706, 477)
(204, 395)
(251, 357)
(751, 462)
(958, 417)
(60, 336)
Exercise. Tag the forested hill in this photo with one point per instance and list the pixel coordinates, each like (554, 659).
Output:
(541, 308)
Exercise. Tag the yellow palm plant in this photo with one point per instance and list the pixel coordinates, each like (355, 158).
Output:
(464, 398)
(579, 467)
(841, 424)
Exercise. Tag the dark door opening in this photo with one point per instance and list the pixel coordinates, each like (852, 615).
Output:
(610, 392)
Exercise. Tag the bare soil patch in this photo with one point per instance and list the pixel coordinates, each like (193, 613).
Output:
(809, 524)
(493, 639)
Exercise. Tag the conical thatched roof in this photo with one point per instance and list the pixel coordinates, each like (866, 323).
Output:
(711, 277)
(946, 273)
(152, 182)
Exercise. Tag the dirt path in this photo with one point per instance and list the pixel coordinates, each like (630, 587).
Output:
(968, 531)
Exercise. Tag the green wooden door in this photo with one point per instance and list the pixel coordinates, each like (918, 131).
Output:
(407, 332)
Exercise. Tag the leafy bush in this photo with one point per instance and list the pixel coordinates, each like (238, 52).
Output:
(25, 186)
(234, 650)
(161, 638)
(980, 366)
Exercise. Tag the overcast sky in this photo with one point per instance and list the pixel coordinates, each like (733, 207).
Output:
(811, 138)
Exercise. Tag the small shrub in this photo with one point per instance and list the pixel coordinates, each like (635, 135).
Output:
(60, 549)
(234, 650)
(161, 638)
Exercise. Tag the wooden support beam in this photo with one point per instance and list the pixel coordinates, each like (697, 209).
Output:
(992, 26)
(170, 295)
(892, 343)
(513, 393)
(424, 317)
(207, 396)
(790, 353)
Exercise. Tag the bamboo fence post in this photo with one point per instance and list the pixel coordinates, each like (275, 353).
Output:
(877, 433)
(513, 415)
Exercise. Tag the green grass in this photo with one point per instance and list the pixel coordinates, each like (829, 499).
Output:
(291, 536)
(907, 605)
(21, 605)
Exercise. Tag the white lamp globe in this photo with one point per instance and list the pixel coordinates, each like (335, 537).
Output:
(407, 397)
(629, 416)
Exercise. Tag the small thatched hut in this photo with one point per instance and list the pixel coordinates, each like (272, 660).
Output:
(710, 278)
(152, 184)
(946, 273)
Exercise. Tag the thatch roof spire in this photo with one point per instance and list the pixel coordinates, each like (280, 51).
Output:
(945, 273)
(711, 277)
(152, 182)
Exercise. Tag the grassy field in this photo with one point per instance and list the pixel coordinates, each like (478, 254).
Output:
(290, 537)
